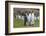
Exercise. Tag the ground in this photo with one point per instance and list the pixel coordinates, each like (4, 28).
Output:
(20, 23)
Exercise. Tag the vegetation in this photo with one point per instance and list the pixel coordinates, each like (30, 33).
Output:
(20, 23)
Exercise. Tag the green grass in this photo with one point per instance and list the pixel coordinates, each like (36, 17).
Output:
(20, 23)
(36, 23)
